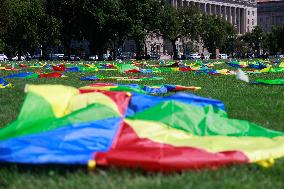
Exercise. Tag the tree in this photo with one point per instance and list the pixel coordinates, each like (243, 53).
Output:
(141, 20)
(277, 36)
(2, 46)
(255, 39)
(27, 21)
(178, 23)
(4, 17)
(216, 32)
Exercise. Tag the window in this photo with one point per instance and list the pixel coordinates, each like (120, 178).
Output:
(248, 12)
(253, 13)
(248, 21)
(252, 21)
(247, 29)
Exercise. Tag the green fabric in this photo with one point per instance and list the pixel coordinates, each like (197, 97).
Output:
(271, 81)
(128, 89)
(32, 76)
(202, 121)
(37, 116)
(276, 70)
(88, 69)
(126, 67)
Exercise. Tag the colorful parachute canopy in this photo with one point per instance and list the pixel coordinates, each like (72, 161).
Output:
(4, 84)
(270, 81)
(128, 68)
(60, 67)
(257, 65)
(28, 75)
(51, 75)
(237, 64)
(272, 70)
(58, 124)
(100, 78)
(144, 89)
(20, 75)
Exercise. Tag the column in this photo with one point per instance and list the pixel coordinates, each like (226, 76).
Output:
(204, 7)
(207, 8)
(234, 17)
(223, 10)
(220, 11)
(228, 14)
(243, 21)
(238, 15)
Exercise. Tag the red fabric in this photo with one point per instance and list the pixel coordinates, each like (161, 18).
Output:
(23, 66)
(185, 69)
(132, 71)
(102, 84)
(110, 65)
(50, 75)
(59, 68)
(131, 151)
(181, 88)
(121, 99)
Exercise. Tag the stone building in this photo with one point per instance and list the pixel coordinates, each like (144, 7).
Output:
(241, 13)
(270, 13)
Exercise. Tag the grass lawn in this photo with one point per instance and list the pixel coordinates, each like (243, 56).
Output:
(262, 104)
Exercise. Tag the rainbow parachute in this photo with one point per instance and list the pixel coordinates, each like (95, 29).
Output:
(59, 124)
(144, 89)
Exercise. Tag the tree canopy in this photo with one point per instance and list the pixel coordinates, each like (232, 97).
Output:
(29, 24)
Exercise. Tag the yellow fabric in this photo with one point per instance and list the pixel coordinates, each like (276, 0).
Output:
(264, 70)
(58, 96)
(6, 86)
(81, 101)
(256, 149)
(281, 65)
(102, 88)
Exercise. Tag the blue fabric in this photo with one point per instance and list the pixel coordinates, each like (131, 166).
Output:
(153, 90)
(257, 65)
(72, 144)
(3, 82)
(141, 102)
(19, 75)
(234, 65)
(89, 78)
(73, 69)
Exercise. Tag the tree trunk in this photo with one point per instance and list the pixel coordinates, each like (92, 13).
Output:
(138, 43)
(175, 56)
(20, 52)
(145, 48)
(101, 54)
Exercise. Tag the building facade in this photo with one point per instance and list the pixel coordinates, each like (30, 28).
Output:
(241, 13)
(270, 13)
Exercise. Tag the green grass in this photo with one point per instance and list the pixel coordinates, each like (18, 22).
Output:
(262, 104)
